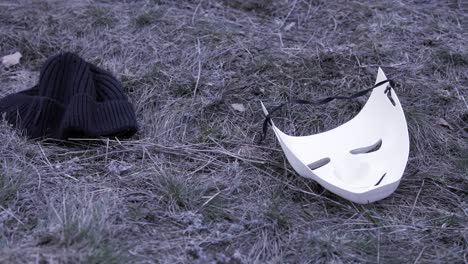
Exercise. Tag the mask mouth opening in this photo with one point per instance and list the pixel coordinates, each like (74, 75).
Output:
(319, 163)
(369, 149)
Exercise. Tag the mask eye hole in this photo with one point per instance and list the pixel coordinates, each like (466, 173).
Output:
(319, 163)
(372, 148)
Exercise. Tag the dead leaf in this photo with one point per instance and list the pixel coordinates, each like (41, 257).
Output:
(246, 151)
(23, 78)
(119, 167)
(444, 123)
(289, 26)
(238, 107)
(444, 93)
(12, 59)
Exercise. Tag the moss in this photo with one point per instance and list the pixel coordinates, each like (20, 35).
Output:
(178, 191)
(100, 16)
(149, 17)
(106, 254)
(454, 58)
(258, 6)
(9, 187)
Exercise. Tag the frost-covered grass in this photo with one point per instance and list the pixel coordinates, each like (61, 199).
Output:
(193, 186)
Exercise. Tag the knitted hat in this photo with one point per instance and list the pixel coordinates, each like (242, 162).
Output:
(72, 99)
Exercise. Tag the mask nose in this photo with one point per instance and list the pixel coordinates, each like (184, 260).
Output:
(354, 171)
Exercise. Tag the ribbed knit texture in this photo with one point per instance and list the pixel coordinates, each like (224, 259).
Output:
(72, 99)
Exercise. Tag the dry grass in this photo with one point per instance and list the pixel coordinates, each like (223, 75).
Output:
(193, 186)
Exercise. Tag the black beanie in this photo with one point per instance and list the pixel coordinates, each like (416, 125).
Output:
(72, 99)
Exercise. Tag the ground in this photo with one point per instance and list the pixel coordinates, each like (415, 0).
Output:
(194, 185)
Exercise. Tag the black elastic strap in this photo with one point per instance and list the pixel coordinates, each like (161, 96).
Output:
(325, 101)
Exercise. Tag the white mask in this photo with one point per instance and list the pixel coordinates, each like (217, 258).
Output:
(362, 160)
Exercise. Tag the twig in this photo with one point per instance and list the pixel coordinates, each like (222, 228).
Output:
(45, 157)
(415, 200)
(207, 201)
(11, 214)
(199, 69)
(289, 13)
(281, 40)
(334, 23)
(378, 246)
(460, 96)
(107, 151)
(70, 177)
(420, 254)
(195, 12)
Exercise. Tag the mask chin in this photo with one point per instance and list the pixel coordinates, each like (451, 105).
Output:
(362, 160)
